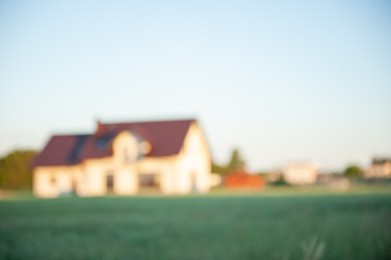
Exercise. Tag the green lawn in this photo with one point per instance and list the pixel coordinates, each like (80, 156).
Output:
(338, 226)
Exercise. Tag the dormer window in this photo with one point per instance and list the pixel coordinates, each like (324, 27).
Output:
(101, 143)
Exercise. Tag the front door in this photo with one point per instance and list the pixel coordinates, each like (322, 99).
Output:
(110, 183)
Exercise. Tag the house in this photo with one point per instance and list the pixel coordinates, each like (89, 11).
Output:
(300, 173)
(242, 179)
(171, 157)
(380, 168)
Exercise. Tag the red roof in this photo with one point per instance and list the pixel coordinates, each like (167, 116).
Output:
(241, 179)
(166, 138)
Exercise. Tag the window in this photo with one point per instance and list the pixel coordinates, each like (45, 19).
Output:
(149, 180)
(52, 179)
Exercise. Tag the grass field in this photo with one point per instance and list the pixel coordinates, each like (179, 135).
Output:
(224, 226)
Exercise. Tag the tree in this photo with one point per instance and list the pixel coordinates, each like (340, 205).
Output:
(219, 169)
(235, 163)
(15, 171)
(353, 171)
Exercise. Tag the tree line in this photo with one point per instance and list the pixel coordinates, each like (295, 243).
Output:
(16, 171)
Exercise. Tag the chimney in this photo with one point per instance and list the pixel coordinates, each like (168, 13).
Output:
(100, 128)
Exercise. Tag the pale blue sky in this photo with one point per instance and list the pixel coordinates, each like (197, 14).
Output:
(281, 80)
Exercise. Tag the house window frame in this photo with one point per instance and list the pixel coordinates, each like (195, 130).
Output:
(52, 179)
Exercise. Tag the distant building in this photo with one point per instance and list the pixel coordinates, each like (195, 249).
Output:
(241, 179)
(300, 173)
(171, 157)
(380, 168)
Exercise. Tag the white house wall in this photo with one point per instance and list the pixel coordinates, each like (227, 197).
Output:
(194, 158)
(300, 174)
(379, 171)
(126, 181)
(95, 172)
(62, 177)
